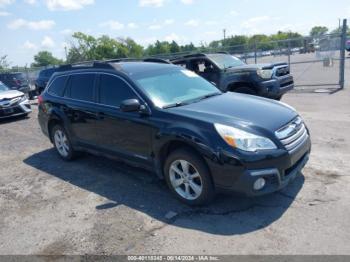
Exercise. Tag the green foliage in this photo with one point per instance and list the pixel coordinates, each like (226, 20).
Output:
(45, 58)
(318, 31)
(4, 64)
(339, 30)
(85, 47)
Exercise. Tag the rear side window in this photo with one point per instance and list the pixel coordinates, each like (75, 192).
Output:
(82, 87)
(58, 85)
(114, 90)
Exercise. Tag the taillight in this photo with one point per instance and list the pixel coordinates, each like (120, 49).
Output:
(40, 100)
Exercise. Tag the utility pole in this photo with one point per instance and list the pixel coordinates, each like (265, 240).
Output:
(65, 51)
(224, 30)
(342, 55)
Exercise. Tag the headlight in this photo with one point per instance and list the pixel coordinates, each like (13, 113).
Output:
(243, 140)
(265, 73)
(23, 99)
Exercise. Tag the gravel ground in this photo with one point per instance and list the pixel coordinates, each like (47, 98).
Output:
(98, 206)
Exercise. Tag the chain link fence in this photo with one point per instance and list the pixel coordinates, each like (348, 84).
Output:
(315, 62)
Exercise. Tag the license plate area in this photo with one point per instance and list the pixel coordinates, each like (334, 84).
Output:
(8, 111)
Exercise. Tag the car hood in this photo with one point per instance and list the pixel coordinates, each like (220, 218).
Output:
(254, 67)
(239, 110)
(10, 94)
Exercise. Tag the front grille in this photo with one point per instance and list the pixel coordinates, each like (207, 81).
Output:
(287, 83)
(282, 71)
(5, 103)
(10, 111)
(293, 135)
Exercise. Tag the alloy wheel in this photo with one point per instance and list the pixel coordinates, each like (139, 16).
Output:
(185, 179)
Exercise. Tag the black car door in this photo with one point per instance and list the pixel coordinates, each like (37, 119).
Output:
(125, 134)
(80, 108)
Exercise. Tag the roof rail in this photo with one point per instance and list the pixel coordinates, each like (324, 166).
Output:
(106, 64)
(85, 65)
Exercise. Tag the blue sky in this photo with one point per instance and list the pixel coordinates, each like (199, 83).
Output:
(28, 26)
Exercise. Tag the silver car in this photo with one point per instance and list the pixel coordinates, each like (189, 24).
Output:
(13, 102)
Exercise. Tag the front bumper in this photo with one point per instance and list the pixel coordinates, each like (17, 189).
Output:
(22, 108)
(278, 168)
(277, 87)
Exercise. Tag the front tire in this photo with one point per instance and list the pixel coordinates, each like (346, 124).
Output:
(189, 178)
(62, 143)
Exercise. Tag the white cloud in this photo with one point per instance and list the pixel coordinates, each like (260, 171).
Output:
(4, 13)
(112, 25)
(6, 2)
(30, 2)
(151, 3)
(211, 22)
(234, 13)
(67, 5)
(33, 25)
(161, 25)
(192, 22)
(29, 45)
(47, 42)
(66, 31)
(169, 21)
(254, 21)
(132, 26)
(187, 2)
(155, 27)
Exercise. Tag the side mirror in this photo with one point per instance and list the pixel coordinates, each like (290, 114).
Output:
(130, 105)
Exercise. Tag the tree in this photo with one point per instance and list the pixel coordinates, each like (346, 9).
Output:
(317, 31)
(45, 58)
(86, 48)
(3, 62)
(339, 30)
(174, 47)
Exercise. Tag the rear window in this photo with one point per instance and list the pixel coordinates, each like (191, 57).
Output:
(18, 76)
(82, 87)
(58, 85)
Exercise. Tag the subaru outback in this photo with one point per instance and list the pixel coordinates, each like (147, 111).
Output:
(170, 120)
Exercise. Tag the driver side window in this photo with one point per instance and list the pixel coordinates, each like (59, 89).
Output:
(113, 90)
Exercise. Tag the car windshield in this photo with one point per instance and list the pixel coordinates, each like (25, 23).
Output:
(3, 87)
(176, 87)
(225, 61)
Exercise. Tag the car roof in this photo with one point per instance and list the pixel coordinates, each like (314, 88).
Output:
(131, 68)
(196, 55)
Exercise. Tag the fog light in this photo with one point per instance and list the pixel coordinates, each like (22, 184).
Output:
(259, 184)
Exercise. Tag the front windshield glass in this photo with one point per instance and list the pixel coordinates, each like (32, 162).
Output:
(225, 61)
(176, 87)
(3, 87)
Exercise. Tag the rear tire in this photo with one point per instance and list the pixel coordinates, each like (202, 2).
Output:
(62, 143)
(245, 90)
(189, 178)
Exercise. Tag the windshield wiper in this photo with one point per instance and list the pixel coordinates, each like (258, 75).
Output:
(175, 105)
(209, 95)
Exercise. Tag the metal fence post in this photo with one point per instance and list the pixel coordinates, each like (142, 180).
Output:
(255, 53)
(342, 55)
(289, 52)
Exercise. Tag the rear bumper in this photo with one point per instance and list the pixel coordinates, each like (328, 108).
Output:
(279, 168)
(277, 87)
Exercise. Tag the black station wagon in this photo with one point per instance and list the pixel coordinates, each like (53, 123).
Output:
(168, 119)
